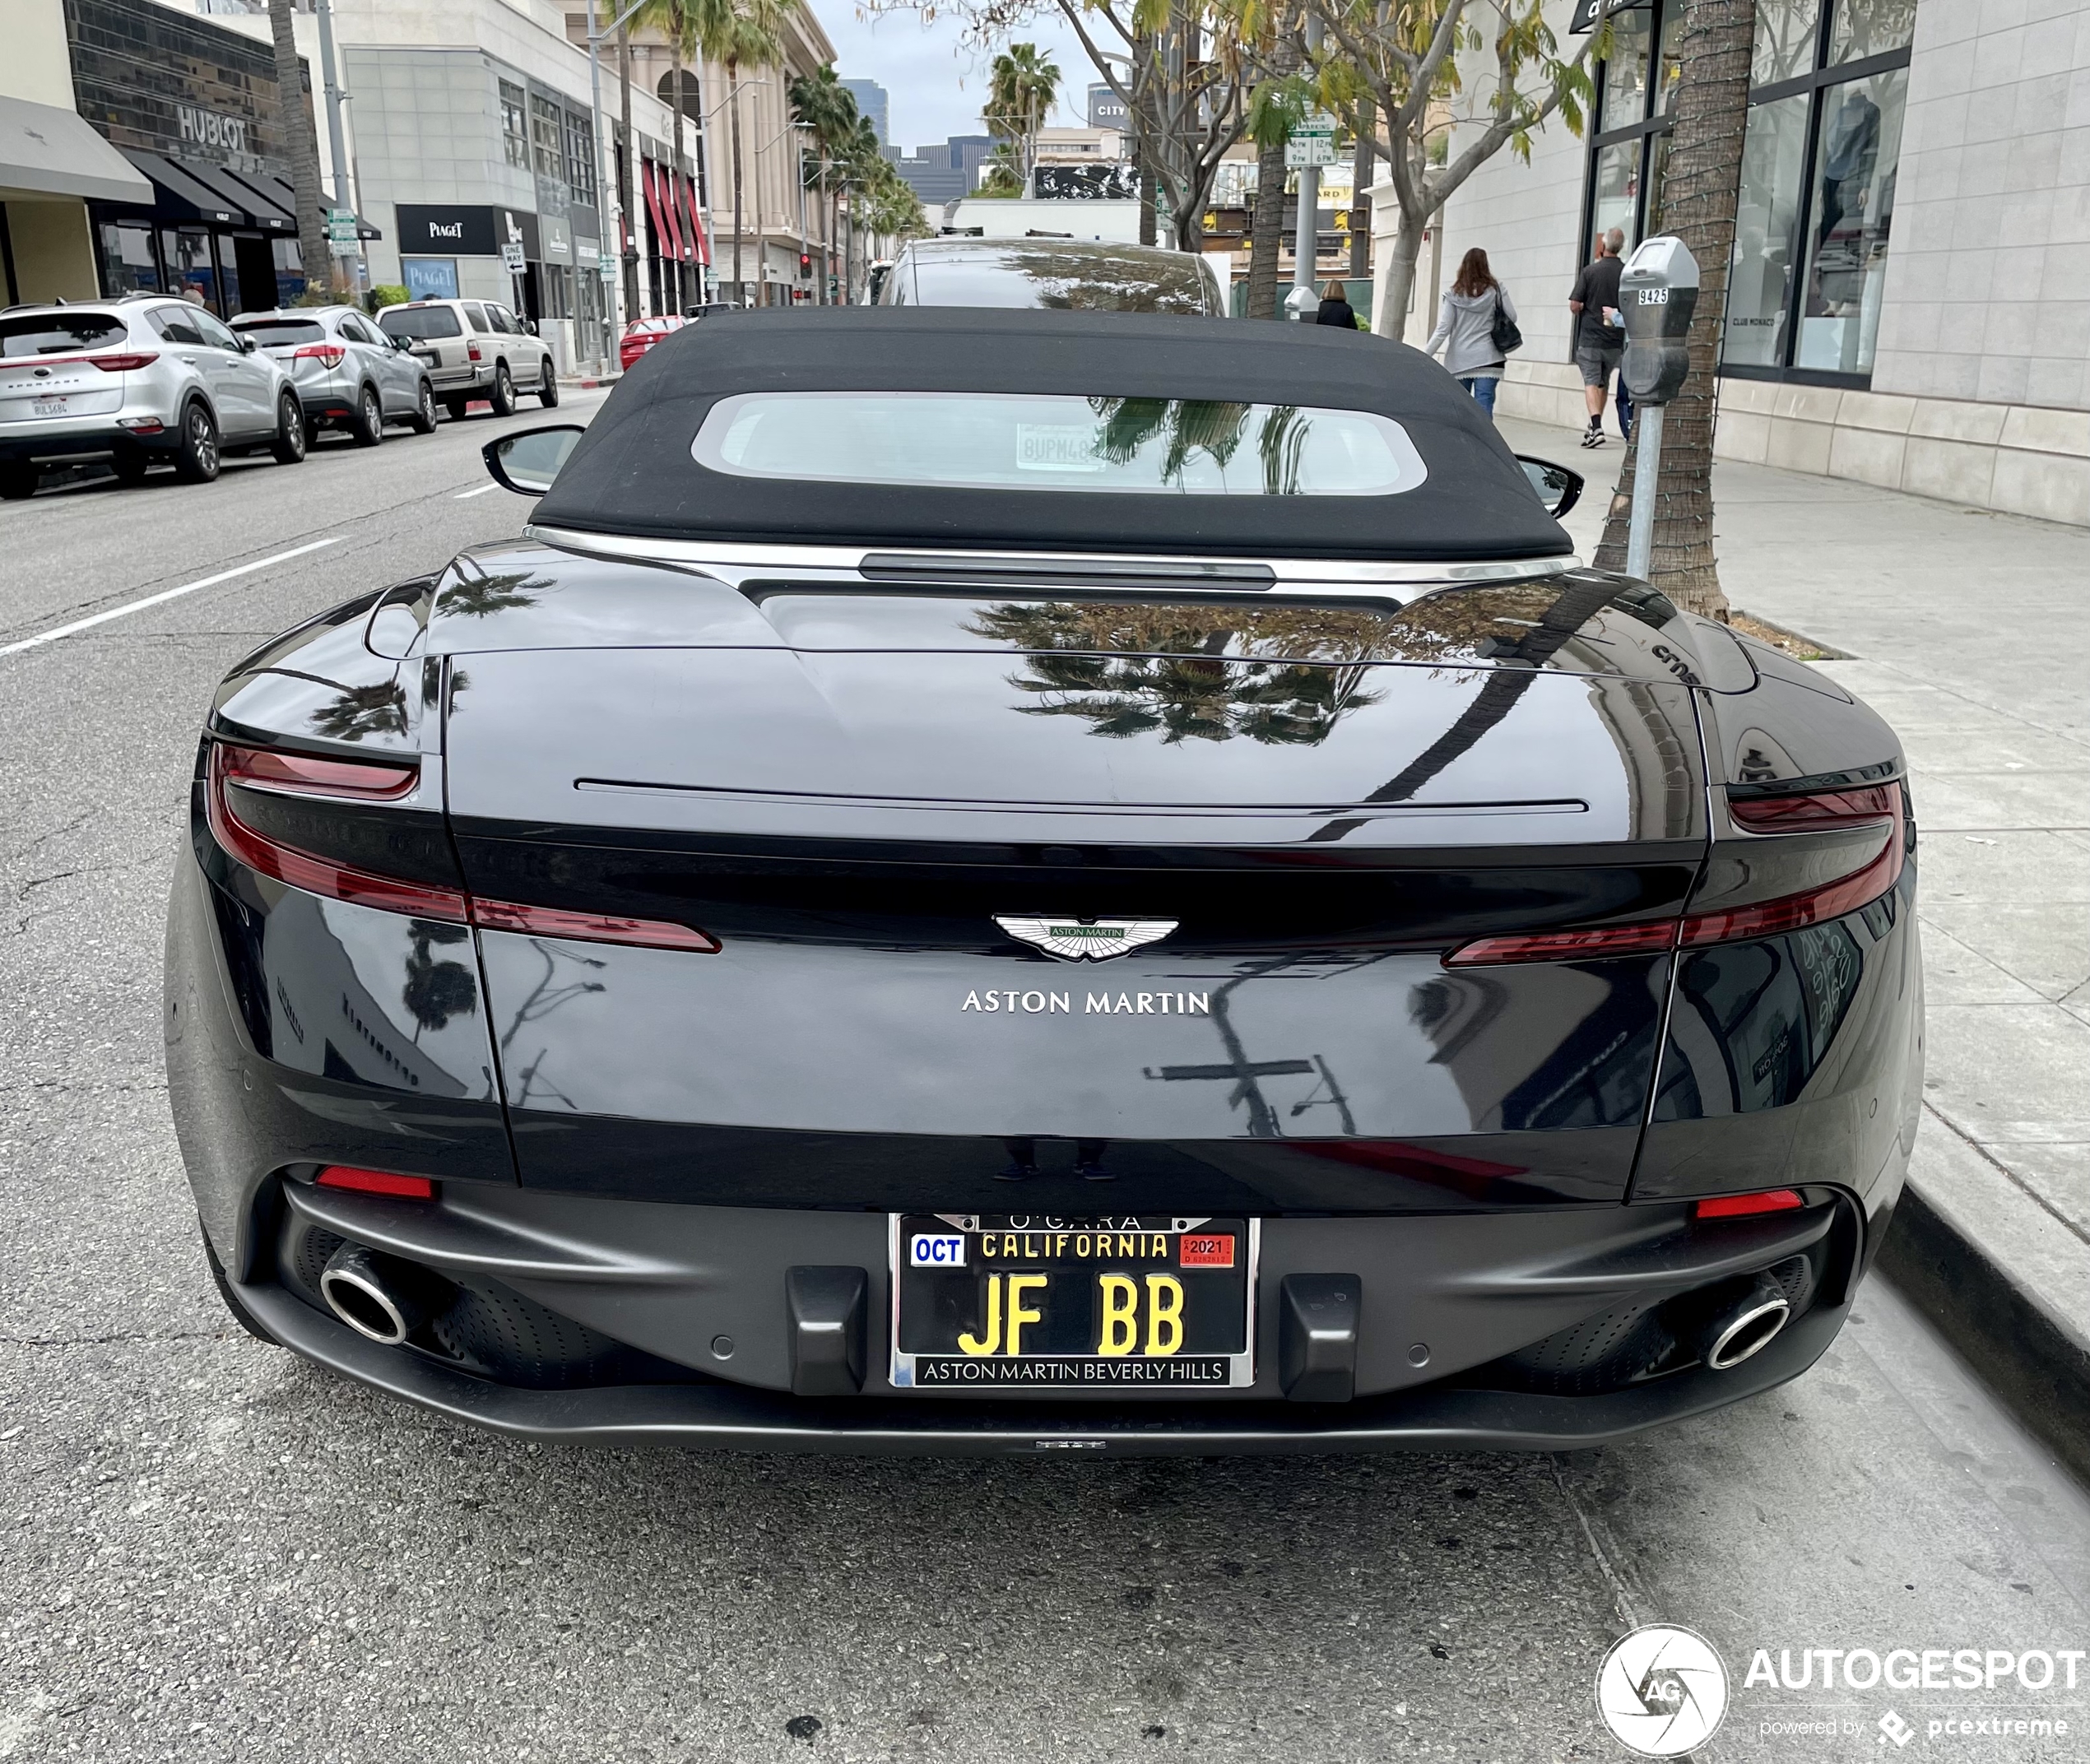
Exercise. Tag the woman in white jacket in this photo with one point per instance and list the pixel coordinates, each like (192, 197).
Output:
(1466, 328)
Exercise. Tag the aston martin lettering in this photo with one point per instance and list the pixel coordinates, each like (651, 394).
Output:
(1093, 1004)
(1076, 939)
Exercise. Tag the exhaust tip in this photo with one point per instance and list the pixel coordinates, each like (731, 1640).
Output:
(375, 1296)
(1742, 1330)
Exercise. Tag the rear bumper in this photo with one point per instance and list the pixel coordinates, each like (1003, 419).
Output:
(720, 1417)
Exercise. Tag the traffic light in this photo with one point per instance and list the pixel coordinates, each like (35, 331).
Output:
(805, 266)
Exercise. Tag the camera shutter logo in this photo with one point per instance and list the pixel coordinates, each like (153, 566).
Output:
(1661, 1690)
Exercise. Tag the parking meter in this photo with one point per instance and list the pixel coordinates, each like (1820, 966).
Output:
(1657, 294)
(1300, 303)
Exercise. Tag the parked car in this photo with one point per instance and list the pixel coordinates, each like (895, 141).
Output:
(136, 382)
(348, 373)
(642, 334)
(969, 913)
(474, 348)
(1064, 274)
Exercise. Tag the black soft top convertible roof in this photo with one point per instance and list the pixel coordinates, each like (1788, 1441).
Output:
(633, 473)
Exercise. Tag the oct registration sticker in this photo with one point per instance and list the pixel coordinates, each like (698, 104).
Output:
(1047, 1303)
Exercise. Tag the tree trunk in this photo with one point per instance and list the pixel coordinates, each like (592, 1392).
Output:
(1360, 212)
(733, 104)
(1699, 189)
(1389, 318)
(628, 175)
(1142, 136)
(301, 142)
(1267, 220)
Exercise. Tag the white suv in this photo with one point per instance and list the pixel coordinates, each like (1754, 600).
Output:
(474, 348)
(136, 381)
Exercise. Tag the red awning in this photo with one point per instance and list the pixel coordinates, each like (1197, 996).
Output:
(652, 172)
(696, 223)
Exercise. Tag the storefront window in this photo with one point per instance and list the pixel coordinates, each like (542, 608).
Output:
(1817, 189)
(1657, 165)
(429, 278)
(1860, 28)
(1625, 70)
(229, 277)
(1787, 32)
(580, 158)
(190, 271)
(127, 264)
(1618, 190)
(290, 271)
(1852, 210)
(515, 126)
(1767, 225)
(1670, 68)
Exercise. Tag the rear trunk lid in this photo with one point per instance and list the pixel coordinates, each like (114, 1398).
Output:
(888, 808)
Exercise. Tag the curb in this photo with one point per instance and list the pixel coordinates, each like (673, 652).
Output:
(2034, 1360)
(581, 384)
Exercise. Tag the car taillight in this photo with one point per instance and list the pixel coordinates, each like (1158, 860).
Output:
(127, 362)
(1747, 1206)
(1876, 803)
(312, 784)
(472, 351)
(376, 1182)
(327, 355)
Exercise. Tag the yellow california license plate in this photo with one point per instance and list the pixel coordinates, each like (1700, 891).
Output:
(1040, 1303)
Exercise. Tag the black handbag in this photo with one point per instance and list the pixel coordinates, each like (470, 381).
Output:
(1503, 333)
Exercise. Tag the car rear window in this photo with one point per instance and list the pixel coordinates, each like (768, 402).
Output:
(420, 321)
(59, 333)
(1053, 441)
(1068, 278)
(270, 332)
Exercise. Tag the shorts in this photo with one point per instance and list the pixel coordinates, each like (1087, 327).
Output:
(1599, 362)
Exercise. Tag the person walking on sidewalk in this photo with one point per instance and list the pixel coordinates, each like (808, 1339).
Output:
(1599, 336)
(1476, 328)
(1336, 309)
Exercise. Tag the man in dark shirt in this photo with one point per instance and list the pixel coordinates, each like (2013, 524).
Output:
(1600, 339)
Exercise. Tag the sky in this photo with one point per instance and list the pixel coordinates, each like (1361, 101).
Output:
(935, 84)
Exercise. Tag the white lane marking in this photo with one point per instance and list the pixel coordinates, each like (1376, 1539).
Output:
(165, 594)
(463, 495)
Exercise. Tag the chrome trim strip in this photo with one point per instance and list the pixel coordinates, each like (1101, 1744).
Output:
(1321, 573)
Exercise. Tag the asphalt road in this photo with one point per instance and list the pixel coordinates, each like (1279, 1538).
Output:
(211, 1550)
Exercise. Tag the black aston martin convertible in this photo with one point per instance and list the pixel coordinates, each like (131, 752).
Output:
(989, 882)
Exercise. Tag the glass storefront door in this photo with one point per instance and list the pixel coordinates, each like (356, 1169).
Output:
(1766, 232)
(1852, 210)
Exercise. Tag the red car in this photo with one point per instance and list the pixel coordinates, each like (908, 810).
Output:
(642, 334)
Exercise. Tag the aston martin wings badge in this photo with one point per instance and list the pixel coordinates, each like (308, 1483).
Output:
(1086, 940)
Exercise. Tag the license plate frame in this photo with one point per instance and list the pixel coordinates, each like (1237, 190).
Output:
(1216, 1351)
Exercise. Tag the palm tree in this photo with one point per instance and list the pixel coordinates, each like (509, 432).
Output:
(828, 109)
(676, 20)
(730, 32)
(293, 118)
(1701, 183)
(1023, 85)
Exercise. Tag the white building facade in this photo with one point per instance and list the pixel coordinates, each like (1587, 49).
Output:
(1909, 301)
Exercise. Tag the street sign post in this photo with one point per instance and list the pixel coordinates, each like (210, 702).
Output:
(512, 257)
(340, 229)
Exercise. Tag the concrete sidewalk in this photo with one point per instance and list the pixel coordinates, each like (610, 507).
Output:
(1965, 629)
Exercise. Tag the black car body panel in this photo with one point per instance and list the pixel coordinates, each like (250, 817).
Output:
(712, 948)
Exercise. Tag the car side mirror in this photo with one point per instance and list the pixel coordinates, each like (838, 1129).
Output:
(246, 345)
(404, 345)
(530, 325)
(1558, 488)
(527, 461)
